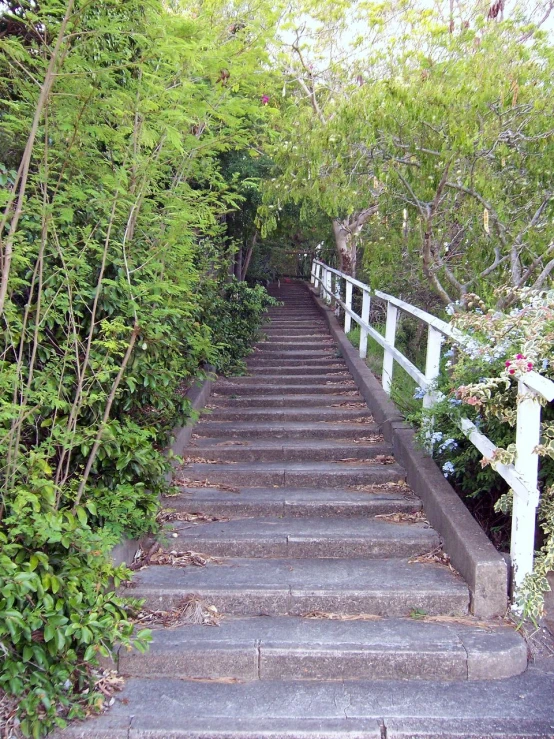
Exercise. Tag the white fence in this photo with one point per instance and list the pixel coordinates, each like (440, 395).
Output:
(521, 476)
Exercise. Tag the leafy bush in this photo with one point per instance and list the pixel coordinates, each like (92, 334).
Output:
(479, 382)
(234, 316)
(113, 206)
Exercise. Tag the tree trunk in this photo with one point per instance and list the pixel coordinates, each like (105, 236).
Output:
(346, 248)
(249, 251)
(346, 233)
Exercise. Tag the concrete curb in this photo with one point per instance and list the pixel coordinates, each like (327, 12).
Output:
(470, 550)
(198, 394)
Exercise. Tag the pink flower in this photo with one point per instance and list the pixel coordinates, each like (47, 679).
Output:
(508, 363)
(520, 356)
(512, 371)
(265, 99)
(529, 365)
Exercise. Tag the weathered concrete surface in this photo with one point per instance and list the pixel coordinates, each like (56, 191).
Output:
(307, 649)
(384, 646)
(518, 708)
(390, 587)
(219, 449)
(471, 552)
(299, 474)
(291, 501)
(303, 538)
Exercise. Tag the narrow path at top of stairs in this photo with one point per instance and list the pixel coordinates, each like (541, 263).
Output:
(322, 568)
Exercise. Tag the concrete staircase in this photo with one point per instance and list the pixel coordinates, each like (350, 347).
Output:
(340, 617)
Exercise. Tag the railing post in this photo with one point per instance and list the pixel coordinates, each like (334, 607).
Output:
(432, 365)
(366, 304)
(348, 303)
(329, 292)
(390, 336)
(313, 274)
(522, 547)
(336, 293)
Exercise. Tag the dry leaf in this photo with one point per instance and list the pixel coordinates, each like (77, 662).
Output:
(462, 620)
(436, 556)
(188, 483)
(341, 616)
(189, 610)
(182, 559)
(398, 517)
(167, 515)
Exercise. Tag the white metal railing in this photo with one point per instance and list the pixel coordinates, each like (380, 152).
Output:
(523, 475)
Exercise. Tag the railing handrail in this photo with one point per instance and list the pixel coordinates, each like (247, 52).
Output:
(540, 384)
(522, 476)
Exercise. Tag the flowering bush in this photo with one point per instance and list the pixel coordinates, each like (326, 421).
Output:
(493, 350)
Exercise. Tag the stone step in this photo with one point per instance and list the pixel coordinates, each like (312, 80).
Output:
(261, 386)
(342, 413)
(284, 379)
(293, 316)
(307, 321)
(281, 430)
(382, 587)
(326, 362)
(300, 344)
(294, 474)
(299, 354)
(331, 370)
(289, 401)
(302, 538)
(291, 333)
(322, 502)
(518, 707)
(305, 324)
(268, 450)
(292, 648)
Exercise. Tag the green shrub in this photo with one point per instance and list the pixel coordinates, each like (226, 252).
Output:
(234, 314)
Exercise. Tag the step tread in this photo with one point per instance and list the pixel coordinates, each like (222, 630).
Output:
(288, 429)
(305, 537)
(339, 576)
(380, 499)
(519, 707)
(318, 648)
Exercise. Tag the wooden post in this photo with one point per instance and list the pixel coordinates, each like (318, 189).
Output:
(432, 364)
(337, 295)
(366, 304)
(522, 547)
(390, 336)
(348, 302)
(328, 292)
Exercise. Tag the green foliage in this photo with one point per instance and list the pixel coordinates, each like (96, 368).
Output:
(479, 383)
(235, 314)
(439, 126)
(114, 199)
(57, 614)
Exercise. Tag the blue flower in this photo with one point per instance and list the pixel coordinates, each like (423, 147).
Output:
(447, 445)
(419, 393)
(449, 353)
(447, 468)
(454, 401)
